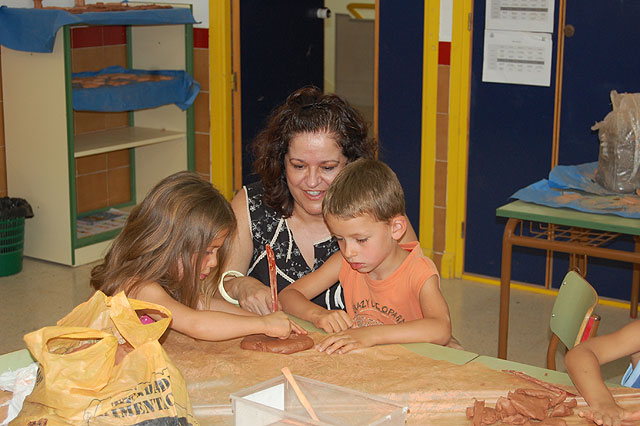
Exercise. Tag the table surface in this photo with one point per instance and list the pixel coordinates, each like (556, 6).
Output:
(569, 217)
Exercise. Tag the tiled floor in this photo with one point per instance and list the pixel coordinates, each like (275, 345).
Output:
(45, 292)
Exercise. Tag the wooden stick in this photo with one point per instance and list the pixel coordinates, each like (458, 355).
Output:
(273, 277)
(303, 399)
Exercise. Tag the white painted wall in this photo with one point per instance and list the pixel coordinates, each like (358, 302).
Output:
(200, 7)
(340, 6)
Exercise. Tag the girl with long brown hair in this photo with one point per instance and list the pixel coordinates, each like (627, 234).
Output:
(168, 253)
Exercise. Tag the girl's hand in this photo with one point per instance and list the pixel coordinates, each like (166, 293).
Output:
(609, 415)
(333, 321)
(278, 324)
(345, 341)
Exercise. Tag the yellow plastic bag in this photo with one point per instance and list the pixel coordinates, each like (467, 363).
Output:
(81, 382)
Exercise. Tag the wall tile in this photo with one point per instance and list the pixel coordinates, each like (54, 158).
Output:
(439, 222)
(201, 38)
(201, 107)
(3, 174)
(201, 68)
(119, 185)
(91, 191)
(443, 89)
(441, 184)
(437, 259)
(2, 123)
(114, 55)
(90, 36)
(114, 34)
(88, 121)
(442, 136)
(202, 147)
(118, 158)
(86, 59)
(91, 164)
(114, 120)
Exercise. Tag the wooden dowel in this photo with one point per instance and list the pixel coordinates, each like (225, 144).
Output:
(303, 399)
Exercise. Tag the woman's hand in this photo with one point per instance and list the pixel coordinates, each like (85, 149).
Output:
(252, 295)
(346, 341)
(278, 324)
(333, 321)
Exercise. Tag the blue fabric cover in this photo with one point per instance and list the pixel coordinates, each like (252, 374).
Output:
(575, 187)
(181, 90)
(631, 378)
(34, 30)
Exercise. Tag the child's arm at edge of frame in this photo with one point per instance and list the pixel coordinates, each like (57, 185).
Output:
(296, 298)
(583, 365)
(216, 325)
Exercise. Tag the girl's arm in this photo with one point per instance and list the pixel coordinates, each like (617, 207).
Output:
(212, 325)
(252, 295)
(583, 365)
(435, 327)
(296, 297)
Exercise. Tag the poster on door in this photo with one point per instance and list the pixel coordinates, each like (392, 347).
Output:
(517, 57)
(520, 15)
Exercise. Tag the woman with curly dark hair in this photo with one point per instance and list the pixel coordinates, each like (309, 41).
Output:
(306, 142)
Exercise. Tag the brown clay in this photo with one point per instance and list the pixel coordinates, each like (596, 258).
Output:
(525, 407)
(262, 343)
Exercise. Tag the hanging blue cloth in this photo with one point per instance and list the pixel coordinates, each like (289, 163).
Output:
(181, 90)
(34, 30)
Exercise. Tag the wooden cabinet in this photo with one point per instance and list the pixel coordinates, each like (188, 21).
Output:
(41, 147)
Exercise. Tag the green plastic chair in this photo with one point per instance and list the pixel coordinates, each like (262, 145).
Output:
(572, 317)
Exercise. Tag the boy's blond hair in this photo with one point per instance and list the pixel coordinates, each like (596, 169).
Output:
(365, 186)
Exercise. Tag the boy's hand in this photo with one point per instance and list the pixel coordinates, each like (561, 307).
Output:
(333, 321)
(610, 415)
(345, 341)
(278, 324)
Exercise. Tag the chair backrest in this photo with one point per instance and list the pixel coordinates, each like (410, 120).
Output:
(574, 305)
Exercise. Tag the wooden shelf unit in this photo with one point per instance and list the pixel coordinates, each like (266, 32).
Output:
(41, 148)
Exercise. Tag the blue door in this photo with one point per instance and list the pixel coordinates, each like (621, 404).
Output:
(282, 49)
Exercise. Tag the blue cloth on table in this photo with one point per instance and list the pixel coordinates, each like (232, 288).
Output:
(581, 176)
(34, 30)
(575, 187)
(181, 90)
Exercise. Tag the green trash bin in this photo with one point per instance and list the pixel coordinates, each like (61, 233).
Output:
(11, 245)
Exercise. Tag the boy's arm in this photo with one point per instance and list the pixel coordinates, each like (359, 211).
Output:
(435, 327)
(583, 365)
(295, 299)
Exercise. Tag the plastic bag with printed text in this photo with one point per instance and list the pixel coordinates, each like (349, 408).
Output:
(101, 366)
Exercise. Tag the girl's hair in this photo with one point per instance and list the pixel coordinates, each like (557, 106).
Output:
(165, 239)
(365, 187)
(307, 110)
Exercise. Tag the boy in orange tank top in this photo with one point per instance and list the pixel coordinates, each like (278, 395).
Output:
(391, 290)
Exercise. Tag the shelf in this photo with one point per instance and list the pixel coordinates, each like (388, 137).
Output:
(123, 138)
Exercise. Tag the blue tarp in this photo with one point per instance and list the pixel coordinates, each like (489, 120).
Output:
(575, 187)
(181, 90)
(34, 30)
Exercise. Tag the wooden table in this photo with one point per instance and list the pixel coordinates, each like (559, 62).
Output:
(564, 230)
